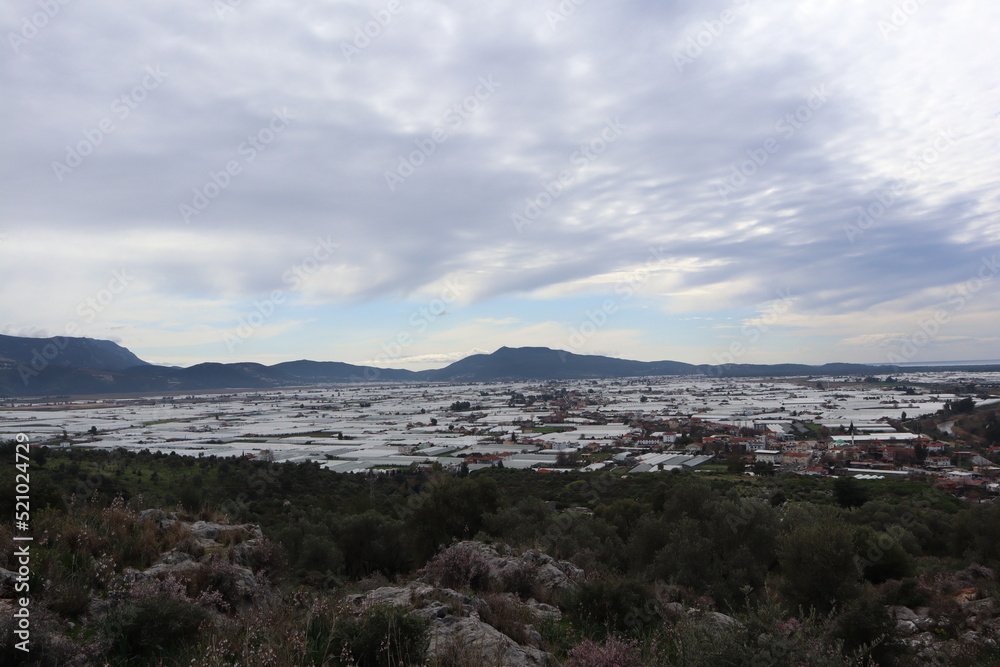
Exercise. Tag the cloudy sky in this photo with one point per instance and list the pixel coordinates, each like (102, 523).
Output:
(404, 183)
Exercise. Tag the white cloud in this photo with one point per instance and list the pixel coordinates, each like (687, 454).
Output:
(654, 186)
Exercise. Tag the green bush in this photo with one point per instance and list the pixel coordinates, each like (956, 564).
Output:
(385, 636)
(818, 565)
(866, 627)
(611, 604)
(151, 626)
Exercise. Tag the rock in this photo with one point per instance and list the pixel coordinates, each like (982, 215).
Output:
(715, 619)
(903, 613)
(162, 519)
(246, 582)
(551, 574)
(178, 569)
(985, 608)
(174, 557)
(975, 573)
(534, 636)
(971, 637)
(906, 628)
(155, 515)
(453, 638)
(543, 611)
(241, 552)
(432, 610)
(217, 531)
(673, 610)
(722, 621)
(7, 581)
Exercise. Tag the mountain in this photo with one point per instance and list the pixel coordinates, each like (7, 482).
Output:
(84, 366)
(542, 363)
(320, 372)
(89, 353)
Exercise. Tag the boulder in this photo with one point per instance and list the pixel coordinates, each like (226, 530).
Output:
(551, 574)
(542, 611)
(901, 613)
(217, 531)
(984, 608)
(454, 638)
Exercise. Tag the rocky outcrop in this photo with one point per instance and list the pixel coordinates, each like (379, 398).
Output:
(210, 545)
(550, 576)
(456, 626)
(931, 637)
(468, 637)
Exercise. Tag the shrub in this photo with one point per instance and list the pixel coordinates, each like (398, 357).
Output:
(818, 564)
(152, 626)
(611, 604)
(907, 593)
(233, 584)
(612, 653)
(263, 556)
(508, 616)
(462, 565)
(519, 578)
(385, 636)
(866, 627)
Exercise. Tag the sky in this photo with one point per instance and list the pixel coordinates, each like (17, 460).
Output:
(402, 183)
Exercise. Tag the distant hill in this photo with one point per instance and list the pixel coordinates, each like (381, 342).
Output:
(320, 372)
(88, 353)
(84, 366)
(542, 363)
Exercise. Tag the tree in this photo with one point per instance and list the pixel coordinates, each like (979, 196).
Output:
(849, 492)
(818, 564)
(452, 509)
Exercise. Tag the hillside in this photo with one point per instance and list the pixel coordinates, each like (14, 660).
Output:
(85, 353)
(290, 565)
(82, 366)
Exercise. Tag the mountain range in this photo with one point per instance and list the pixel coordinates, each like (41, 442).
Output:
(84, 366)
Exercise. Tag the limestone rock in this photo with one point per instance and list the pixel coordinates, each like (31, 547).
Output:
(478, 642)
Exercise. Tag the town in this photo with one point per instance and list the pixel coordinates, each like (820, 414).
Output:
(867, 427)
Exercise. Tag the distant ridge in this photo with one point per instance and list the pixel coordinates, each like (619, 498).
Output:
(84, 366)
(66, 351)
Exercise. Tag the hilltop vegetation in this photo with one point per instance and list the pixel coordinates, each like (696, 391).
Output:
(676, 568)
